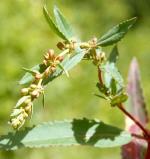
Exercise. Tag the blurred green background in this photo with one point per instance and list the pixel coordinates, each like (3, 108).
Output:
(24, 38)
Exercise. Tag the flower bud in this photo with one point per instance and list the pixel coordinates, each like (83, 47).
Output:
(51, 54)
(38, 76)
(47, 72)
(46, 56)
(15, 123)
(59, 58)
(25, 115)
(53, 69)
(61, 46)
(27, 101)
(35, 94)
(84, 45)
(33, 86)
(24, 91)
(103, 56)
(20, 118)
(67, 46)
(45, 62)
(28, 108)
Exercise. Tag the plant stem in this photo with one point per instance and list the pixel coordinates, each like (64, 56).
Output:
(140, 137)
(148, 152)
(120, 106)
(100, 76)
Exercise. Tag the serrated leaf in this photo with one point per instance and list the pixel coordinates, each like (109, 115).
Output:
(67, 133)
(52, 24)
(67, 64)
(28, 77)
(111, 72)
(62, 24)
(116, 33)
(137, 107)
(74, 60)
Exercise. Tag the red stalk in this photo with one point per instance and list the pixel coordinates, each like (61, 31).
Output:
(100, 76)
(148, 152)
(146, 135)
(120, 106)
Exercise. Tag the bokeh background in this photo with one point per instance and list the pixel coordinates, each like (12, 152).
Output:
(24, 38)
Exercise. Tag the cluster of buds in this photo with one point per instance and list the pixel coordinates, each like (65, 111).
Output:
(51, 61)
(99, 57)
(90, 44)
(93, 52)
(24, 106)
(65, 45)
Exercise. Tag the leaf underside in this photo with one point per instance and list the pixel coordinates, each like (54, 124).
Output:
(66, 133)
(137, 107)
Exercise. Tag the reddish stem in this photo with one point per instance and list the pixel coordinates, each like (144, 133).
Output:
(140, 137)
(120, 106)
(100, 76)
(146, 135)
(148, 152)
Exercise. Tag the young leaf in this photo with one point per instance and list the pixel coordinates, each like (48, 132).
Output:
(52, 24)
(116, 33)
(28, 77)
(136, 106)
(62, 24)
(33, 72)
(21, 101)
(67, 133)
(111, 72)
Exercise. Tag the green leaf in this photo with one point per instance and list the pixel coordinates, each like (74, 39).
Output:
(21, 101)
(52, 24)
(33, 72)
(62, 24)
(113, 87)
(28, 77)
(113, 57)
(15, 112)
(116, 33)
(67, 64)
(111, 72)
(66, 133)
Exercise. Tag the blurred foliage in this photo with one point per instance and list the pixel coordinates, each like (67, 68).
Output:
(25, 36)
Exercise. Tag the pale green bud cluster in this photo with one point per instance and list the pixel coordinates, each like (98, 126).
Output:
(24, 106)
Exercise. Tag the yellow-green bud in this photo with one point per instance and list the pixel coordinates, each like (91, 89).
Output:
(33, 86)
(24, 91)
(20, 118)
(35, 94)
(27, 101)
(84, 45)
(15, 123)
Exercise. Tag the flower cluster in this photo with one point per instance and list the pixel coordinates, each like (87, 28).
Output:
(24, 106)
